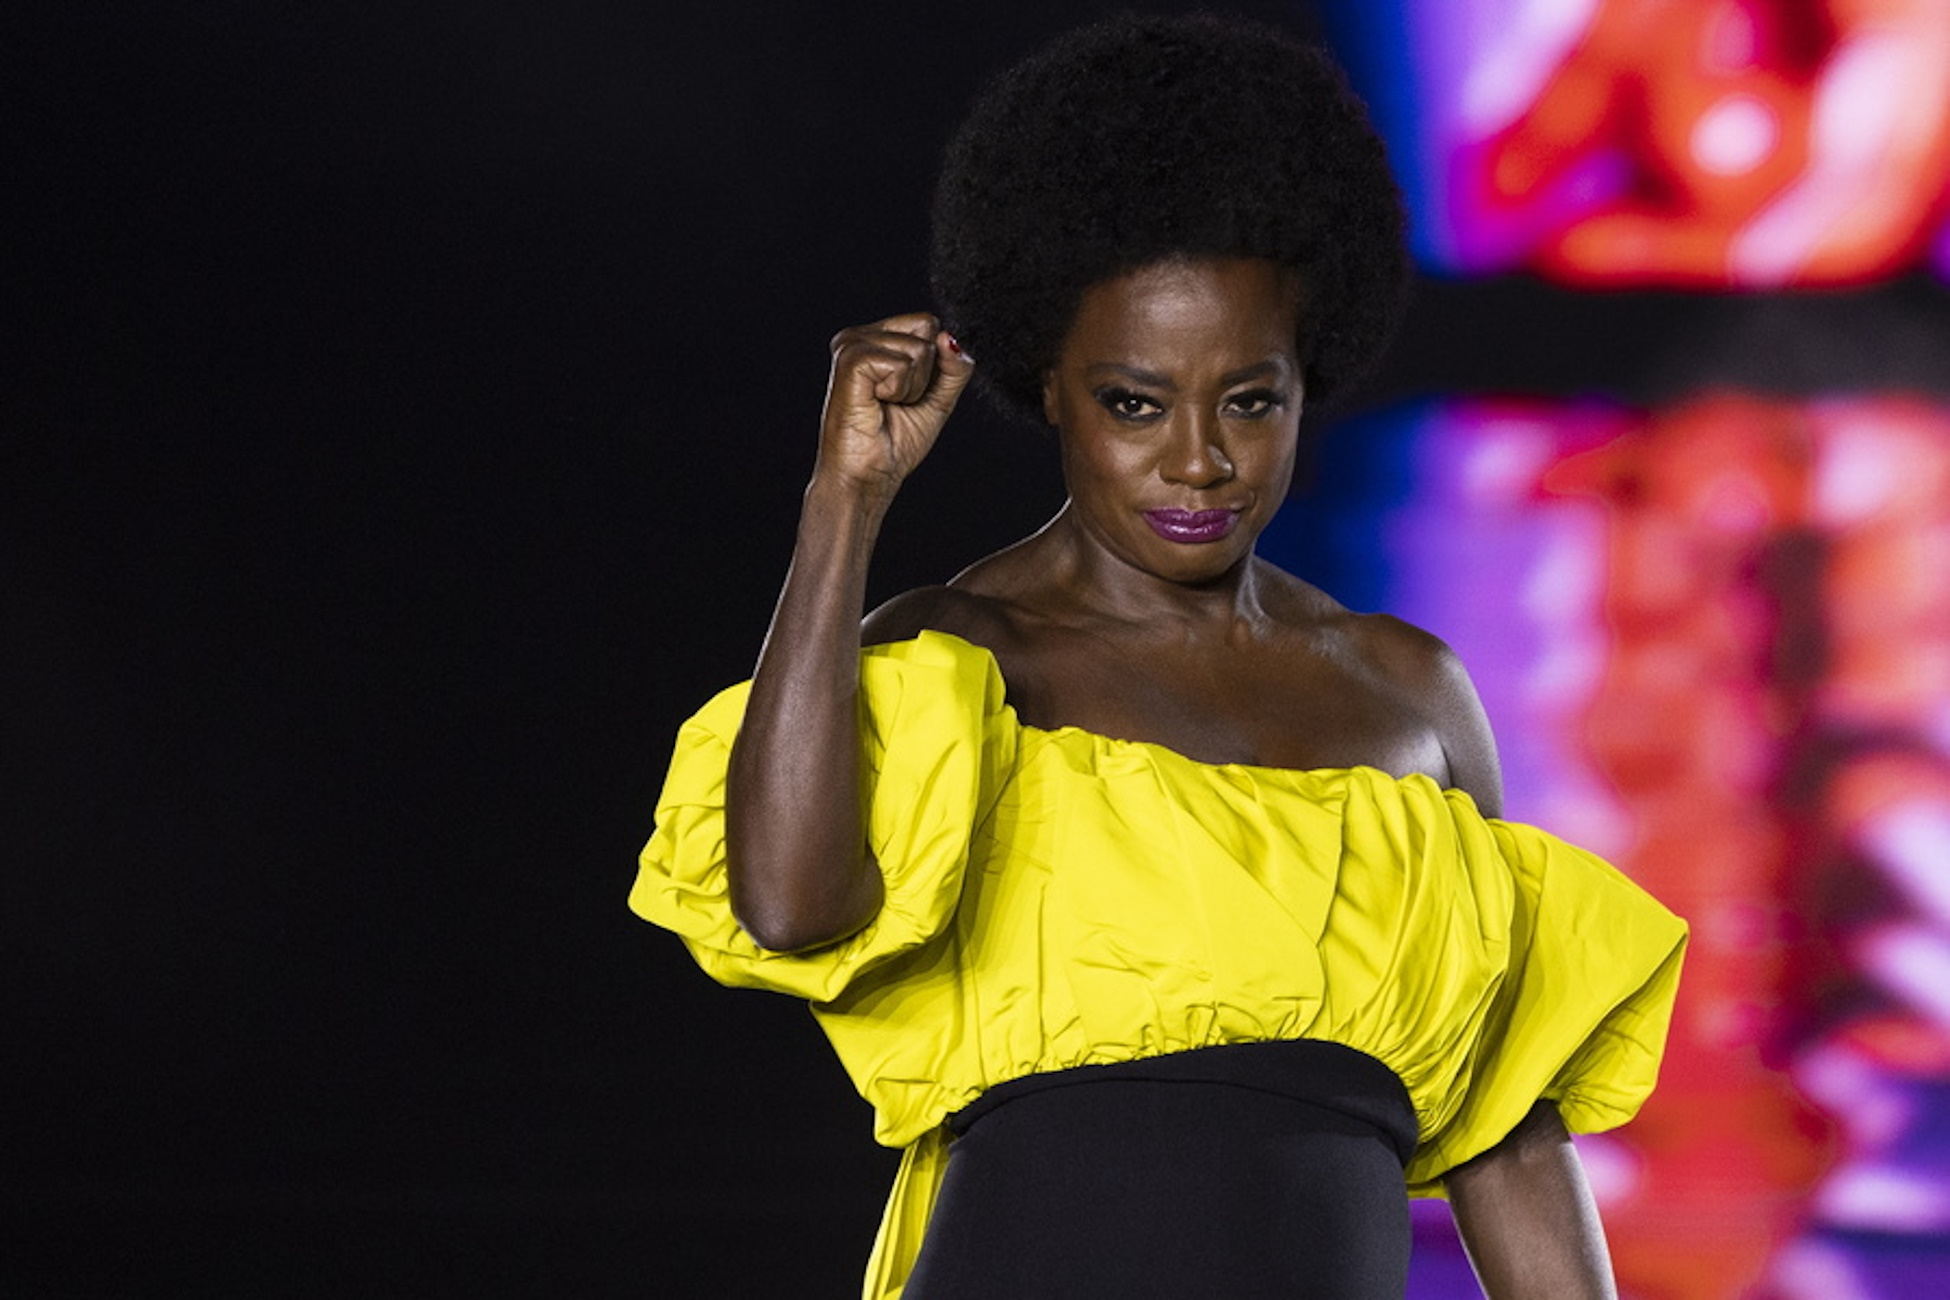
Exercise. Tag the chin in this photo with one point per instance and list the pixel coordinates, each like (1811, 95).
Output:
(1202, 562)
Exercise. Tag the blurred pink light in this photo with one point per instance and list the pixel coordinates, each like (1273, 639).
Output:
(1736, 143)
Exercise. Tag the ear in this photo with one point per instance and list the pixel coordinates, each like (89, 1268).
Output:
(1049, 396)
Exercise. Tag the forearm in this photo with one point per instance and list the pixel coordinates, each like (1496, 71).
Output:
(795, 849)
(1527, 1217)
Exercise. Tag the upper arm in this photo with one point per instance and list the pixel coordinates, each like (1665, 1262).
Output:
(1433, 677)
(1464, 727)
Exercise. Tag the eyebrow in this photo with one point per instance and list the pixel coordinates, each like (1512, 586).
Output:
(1152, 379)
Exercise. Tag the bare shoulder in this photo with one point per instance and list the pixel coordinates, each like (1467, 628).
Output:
(1418, 662)
(1416, 665)
(1426, 672)
(943, 608)
(985, 604)
(1414, 668)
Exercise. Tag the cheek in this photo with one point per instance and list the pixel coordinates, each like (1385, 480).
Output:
(1093, 452)
(1273, 460)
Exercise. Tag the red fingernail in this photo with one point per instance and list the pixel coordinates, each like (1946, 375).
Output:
(954, 345)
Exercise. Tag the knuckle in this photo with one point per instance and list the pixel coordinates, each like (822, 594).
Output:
(859, 353)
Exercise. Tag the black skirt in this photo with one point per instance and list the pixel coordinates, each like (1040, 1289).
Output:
(1243, 1171)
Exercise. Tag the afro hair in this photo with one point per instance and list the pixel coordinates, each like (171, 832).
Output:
(1142, 139)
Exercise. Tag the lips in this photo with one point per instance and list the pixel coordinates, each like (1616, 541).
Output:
(1191, 526)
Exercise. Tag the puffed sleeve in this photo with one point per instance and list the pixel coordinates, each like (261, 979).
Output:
(937, 741)
(1581, 1014)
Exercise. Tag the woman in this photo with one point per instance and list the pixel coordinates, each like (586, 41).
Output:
(1172, 962)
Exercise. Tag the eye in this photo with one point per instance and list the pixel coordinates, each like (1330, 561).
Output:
(1124, 404)
(1256, 404)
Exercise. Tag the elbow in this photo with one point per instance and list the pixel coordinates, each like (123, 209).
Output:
(784, 930)
(773, 928)
(796, 883)
(801, 911)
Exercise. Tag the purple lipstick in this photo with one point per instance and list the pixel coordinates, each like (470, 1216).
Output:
(1191, 526)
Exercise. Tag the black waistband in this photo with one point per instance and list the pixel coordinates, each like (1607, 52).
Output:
(1328, 1075)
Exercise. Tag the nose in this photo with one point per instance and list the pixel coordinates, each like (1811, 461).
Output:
(1195, 455)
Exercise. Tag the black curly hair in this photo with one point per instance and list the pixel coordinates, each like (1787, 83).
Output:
(1140, 139)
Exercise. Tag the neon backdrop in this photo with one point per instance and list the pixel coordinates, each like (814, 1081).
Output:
(1714, 635)
(1716, 644)
(1705, 143)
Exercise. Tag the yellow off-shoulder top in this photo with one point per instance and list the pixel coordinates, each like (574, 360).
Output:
(1060, 898)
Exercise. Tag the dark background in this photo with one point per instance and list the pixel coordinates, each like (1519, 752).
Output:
(405, 412)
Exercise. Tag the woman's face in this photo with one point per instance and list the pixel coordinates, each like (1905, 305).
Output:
(1177, 400)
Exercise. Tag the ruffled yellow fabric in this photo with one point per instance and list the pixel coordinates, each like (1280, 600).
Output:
(1059, 898)
(938, 740)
